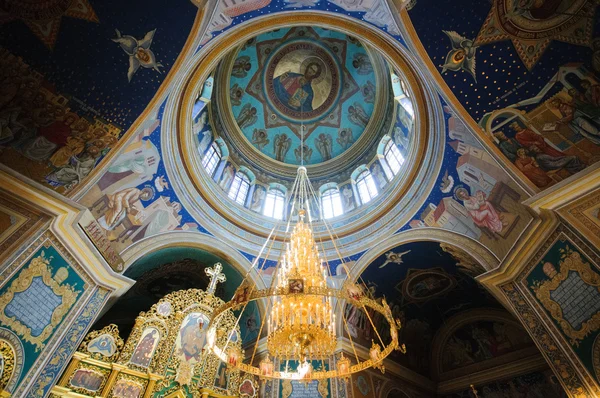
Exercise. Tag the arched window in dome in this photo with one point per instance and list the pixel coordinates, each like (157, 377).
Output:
(211, 158)
(365, 185)
(239, 188)
(274, 203)
(401, 95)
(393, 159)
(331, 202)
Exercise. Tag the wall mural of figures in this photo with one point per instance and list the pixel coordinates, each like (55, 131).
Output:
(47, 135)
(476, 197)
(62, 109)
(532, 385)
(480, 341)
(425, 284)
(133, 199)
(558, 135)
(527, 72)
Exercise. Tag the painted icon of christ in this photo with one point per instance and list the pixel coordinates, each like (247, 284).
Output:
(295, 89)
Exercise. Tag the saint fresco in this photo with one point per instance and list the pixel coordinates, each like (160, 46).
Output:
(300, 80)
(192, 337)
(303, 74)
(142, 356)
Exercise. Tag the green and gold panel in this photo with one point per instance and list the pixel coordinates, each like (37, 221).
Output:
(565, 281)
(37, 298)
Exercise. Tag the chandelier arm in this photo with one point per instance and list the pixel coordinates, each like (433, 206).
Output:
(253, 285)
(349, 335)
(270, 300)
(373, 325)
(333, 237)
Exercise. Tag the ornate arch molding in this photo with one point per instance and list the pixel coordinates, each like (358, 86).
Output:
(459, 320)
(10, 340)
(192, 240)
(388, 390)
(479, 252)
(234, 224)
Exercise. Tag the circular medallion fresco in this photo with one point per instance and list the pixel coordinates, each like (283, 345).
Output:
(424, 285)
(304, 84)
(302, 81)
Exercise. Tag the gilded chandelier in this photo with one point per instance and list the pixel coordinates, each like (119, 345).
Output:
(304, 317)
(300, 321)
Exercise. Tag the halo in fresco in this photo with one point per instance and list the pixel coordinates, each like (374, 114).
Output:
(533, 25)
(302, 81)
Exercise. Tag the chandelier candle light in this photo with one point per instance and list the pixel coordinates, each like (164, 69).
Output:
(300, 321)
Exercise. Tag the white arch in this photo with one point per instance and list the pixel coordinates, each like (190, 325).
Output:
(193, 240)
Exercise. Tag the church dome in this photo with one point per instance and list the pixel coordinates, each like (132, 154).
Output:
(245, 112)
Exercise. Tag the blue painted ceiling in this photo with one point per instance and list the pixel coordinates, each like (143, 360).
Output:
(424, 286)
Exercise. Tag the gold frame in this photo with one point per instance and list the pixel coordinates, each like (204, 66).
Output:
(143, 383)
(96, 369)
(38, 267)
(111, 330)
(572, 261)
(9, 356)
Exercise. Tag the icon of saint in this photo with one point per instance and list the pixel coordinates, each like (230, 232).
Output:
(295, 89)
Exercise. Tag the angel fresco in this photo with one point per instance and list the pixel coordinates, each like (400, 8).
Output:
(462, 54)
(324, 144)
(235, 94)
(368, 92)
(241, 67)
(303, 151)
(357, 115)
(139, 52)
(345, 138)
(295, 89)
(281, 146)
(362, 64)
(260, 138)
(247, 116)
